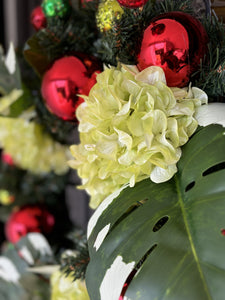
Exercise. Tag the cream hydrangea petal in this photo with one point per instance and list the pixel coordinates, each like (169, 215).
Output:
(127, 158)
(200, 94)
(159, 122)
(151, 75)
(124, 138)
(159, 175)
(134, 125)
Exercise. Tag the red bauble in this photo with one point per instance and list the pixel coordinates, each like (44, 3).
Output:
(7, 159)
(176, 42)
(132, 3)
(38, 19)
(61, 85)
(29, 218)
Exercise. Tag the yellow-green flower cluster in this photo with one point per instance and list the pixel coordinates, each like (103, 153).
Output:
(131, 127)
(64, 288)
(31, 148)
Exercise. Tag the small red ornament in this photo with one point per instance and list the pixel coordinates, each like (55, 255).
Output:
(176, 42)
(38, 19)
(29, 218)
(7, 159)
(67, 78)
(132, 3)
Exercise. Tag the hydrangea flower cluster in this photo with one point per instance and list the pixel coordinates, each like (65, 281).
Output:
(31, 148)
(132, 126)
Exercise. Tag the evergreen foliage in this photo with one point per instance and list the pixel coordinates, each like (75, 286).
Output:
(75, 263)
(211, 75)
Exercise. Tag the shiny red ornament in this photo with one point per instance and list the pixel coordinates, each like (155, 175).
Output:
(29, 218)
(66, 79)
(38, 19)
(176, 42)
(132, 3)
(7, 159)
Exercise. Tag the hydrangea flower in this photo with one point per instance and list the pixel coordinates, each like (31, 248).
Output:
(65, 288)
(132, 126)
(31, 148)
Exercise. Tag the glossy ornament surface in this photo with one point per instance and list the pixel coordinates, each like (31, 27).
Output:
(108, 11)
(132, 3)
(7, 159)
(176, 42)
(63, 82)
(29, 218)
(54, 8)
(38, 19)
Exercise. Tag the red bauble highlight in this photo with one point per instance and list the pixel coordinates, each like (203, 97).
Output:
(61, 85)
(176, 42)
(132, 3)
(30, 218)
(38, 19)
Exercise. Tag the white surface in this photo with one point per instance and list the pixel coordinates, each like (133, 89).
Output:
(94, 219)
(101, 236)
(39, 243)
(213, 113)
(115, 277)
(10, 59)
(8, 270)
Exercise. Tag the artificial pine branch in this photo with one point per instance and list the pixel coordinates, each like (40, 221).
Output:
(169, 6)
(211, 74)
(56, 127)
(75, 262)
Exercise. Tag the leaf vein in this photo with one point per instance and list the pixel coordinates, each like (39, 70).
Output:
(194, 252)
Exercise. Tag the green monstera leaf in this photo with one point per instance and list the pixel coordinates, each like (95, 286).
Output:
(165, 241)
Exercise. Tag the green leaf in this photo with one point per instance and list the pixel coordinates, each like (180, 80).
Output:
(35, 56)
(22, 104)
(17, 282)
(168, 236)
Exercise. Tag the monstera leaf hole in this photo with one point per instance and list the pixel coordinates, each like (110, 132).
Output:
(137, 268)
(214, 169)
(129, 211)
(159, 224)
(190, 186)
(209, 171)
